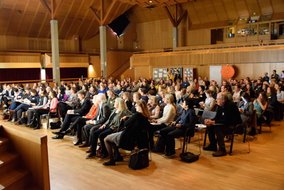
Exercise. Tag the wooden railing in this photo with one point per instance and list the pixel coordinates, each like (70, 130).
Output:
(279, 42)
(34, 153)
(37, 81)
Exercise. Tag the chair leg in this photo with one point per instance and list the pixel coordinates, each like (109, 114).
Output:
(232, 142)
(248, 146)
(205, 137)
(47, 124)
(245, 134)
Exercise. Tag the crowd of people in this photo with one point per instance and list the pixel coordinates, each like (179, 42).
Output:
(106, 115)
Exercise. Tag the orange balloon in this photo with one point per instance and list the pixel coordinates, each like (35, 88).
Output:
(227, 71)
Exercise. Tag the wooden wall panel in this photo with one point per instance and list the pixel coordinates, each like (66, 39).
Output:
(115, 59)
(33, 150)
(129, 73)
(95, 60)
(20, 60)
(199, 37)
(249, 61)
(9, 43)
(154, 35)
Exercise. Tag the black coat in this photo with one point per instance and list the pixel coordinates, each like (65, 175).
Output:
(228, 114)
(84, 108)
(135, 133)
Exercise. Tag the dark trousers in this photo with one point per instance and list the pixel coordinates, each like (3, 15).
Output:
(69, 118)
(87, 130)
(152, 129)
(30, 115)
(99, 134)
(216, 135)
(78, 124)
(62, 109)
(168, 136)
(37, 114)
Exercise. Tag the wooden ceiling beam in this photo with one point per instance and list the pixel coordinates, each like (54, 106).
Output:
(110, 9)
(170, 16)
(85, 36)
(46, 6)
(57, 8)
(33, 19)
(76, 17)
(12, 13)
(19, 26)
(102, 11)
(96, 16)
(84, 19)
(66, 16)
(184, 14)
(179, 15)
(42, 25)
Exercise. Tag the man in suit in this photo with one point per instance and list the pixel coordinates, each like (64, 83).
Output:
(227, 115)
(72, 115)
(103, 115)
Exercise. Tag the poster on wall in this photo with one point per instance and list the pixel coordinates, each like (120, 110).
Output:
(160, 73)
(175, 73)
(188, 72)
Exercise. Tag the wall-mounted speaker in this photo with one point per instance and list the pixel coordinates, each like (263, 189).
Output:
(119, 24)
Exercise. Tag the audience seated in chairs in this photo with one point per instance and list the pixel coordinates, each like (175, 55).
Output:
(31, 99)
(246, 109)
(169, 114)
(49, 108)
(227, 116)
(72, 115)
(81, 121)
(108, 127)
(209, 103)
(42, 102)
(91, 125)
(184, 125)
(153, 107)
(135, 133)
(70, 104)
(263, 113)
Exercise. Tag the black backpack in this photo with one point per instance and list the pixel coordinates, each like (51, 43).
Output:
(189, 157)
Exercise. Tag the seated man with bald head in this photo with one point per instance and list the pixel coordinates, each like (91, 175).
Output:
(227, 116)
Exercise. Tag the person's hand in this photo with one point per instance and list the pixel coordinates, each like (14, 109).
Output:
(102, 127)
(209, 122)
(178, 125)
(89, 122)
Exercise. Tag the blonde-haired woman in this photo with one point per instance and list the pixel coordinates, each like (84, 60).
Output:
(110, 126)
(169, 114)
(153, 107)
(134, 133)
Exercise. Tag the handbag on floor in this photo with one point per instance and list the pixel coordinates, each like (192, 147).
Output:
(139, 159)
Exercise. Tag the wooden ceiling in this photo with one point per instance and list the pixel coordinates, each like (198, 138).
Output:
(31, 18)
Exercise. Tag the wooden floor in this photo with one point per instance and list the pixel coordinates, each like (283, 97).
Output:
(262, 168)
